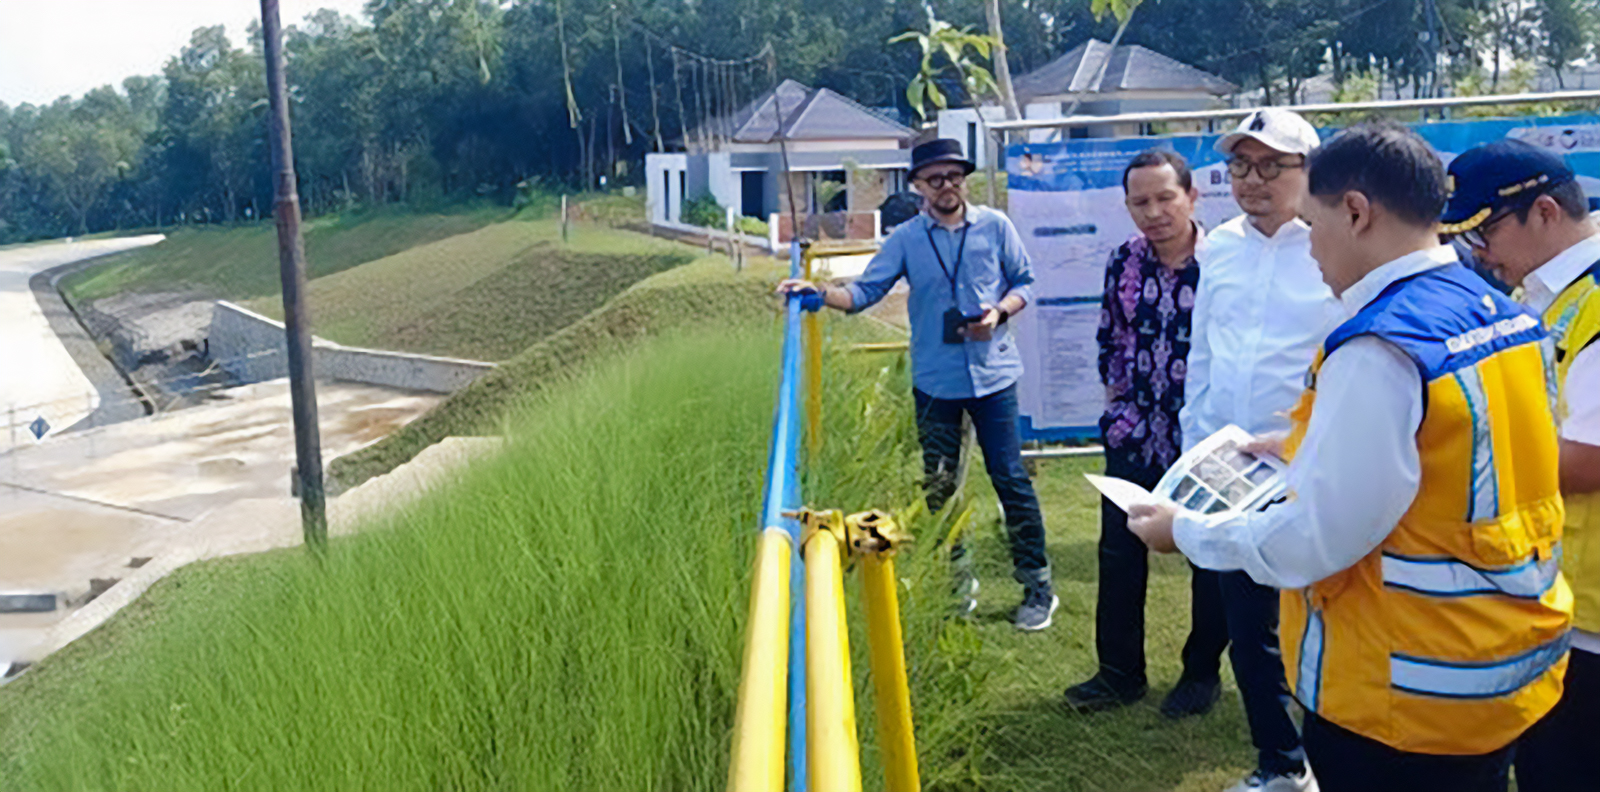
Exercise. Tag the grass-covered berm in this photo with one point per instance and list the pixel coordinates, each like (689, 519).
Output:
(568, 615)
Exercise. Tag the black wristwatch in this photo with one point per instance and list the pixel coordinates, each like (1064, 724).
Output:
(1004, 315)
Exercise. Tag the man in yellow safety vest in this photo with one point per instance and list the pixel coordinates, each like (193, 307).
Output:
(1424, 616)
(1526, 217)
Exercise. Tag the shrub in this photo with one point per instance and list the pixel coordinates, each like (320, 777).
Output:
(705, 212)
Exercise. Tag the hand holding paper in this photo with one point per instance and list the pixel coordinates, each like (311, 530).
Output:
(1152, 523)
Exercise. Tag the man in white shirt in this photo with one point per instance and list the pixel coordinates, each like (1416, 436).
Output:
(1527, 219)
(1425, 622)
(1259, 315)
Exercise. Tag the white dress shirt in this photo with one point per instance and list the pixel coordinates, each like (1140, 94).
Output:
(1259, 315)
(1582, 386)
(1355, 474)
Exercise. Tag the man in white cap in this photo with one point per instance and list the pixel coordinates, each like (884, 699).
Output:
(1260, 313)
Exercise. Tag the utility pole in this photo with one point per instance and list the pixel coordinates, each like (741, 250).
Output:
(292, 268)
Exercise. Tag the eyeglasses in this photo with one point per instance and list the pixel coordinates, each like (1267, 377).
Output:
(1239, 167)
(939, 181)
(1478, 237)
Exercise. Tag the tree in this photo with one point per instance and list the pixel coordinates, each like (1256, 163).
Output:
(1002, 69)
(951, 42)
(1568, 27)
(80, 148)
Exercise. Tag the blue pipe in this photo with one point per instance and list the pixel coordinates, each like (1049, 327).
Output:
(783, 495)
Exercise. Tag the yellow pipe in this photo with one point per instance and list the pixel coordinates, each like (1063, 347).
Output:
(835, 755)
(758, 723)
(881, 346)
(896, 741)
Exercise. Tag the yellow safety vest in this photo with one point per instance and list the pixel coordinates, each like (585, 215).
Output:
(1451, 636)
(1573, 321)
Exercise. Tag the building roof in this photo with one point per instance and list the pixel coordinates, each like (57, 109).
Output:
(808, 114)
(1131, 68)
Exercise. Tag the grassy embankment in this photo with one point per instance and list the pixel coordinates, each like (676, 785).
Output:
(241, 262)
(487, 294)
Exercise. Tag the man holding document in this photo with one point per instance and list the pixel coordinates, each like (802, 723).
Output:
(1418, 541)
(1260, 313)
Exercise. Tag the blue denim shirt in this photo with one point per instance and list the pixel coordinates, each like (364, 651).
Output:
(993, 266)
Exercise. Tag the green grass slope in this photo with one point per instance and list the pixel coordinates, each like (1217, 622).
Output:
(241, 263)
(706, 292)
(487, 294)
(568, 617)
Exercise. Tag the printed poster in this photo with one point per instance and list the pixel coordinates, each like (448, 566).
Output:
(1066, 201)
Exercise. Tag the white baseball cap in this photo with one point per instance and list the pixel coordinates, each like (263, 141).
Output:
(1276, 128)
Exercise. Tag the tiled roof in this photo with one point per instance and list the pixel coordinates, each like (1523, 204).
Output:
(808, 114)
(1131, 68)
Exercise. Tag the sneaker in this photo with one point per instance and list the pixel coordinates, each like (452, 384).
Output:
(965, 590)
(1036, 610)
(1097, 694)
(1191, 697)
(1258, 781)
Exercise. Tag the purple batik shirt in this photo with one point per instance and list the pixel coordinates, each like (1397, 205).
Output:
(1144, 343)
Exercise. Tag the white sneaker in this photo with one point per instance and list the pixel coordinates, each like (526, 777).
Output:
(1257, 782)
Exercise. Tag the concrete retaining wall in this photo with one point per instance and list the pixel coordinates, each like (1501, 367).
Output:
(252, 348)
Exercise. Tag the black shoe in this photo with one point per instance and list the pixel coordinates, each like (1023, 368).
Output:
(1097, 694)
(1191, 697)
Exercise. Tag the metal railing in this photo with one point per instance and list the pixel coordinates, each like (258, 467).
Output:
(796, 682)
(1346, 107)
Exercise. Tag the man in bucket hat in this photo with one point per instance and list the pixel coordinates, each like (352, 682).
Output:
(968, 274)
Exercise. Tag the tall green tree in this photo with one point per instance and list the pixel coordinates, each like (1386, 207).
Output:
(1569, 27)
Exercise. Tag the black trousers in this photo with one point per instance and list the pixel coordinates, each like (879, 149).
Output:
(1348, 762)
(1119, 608)
(1252, 612)
(1558, 753)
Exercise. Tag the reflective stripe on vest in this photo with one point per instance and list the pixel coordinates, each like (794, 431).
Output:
(1426, 677)
(1308, 683)
(1448, 577)
(1485, 502)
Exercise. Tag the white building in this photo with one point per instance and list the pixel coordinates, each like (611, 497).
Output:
(1135, 80)
(843, 159)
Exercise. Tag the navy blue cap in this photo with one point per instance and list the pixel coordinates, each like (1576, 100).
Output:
(936, 151)
(1497, 175)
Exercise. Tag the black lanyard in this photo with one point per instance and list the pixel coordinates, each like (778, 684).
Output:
(949, 273)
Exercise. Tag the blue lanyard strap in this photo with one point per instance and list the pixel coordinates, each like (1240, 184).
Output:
(950, 274)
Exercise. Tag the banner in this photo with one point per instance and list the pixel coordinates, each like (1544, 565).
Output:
(1066, 201)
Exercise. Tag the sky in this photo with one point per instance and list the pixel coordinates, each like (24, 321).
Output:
(54, 48)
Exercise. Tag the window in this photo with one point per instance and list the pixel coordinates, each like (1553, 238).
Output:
(683, 185)
(972, 141)
(829, 191)
(666, 195)
(753, 194)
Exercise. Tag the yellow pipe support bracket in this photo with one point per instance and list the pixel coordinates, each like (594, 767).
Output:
(834, 763)
(874, 536)
(758, 724)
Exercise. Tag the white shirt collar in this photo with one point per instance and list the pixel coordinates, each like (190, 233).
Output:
(1289, 230)
(1368, 288)
(1544, 284)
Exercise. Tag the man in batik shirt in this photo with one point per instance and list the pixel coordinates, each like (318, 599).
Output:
(1144, 340)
